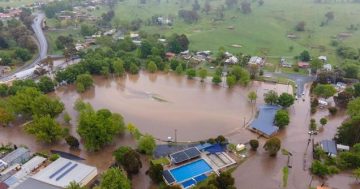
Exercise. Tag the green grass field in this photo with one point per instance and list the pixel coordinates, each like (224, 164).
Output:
(16, 3)
(51, 36)
(263, 32)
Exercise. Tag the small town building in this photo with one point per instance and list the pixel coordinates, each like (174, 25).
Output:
(323, 58)
(59, 174)
(170, 55)
(304, 65)
(264, 123)
(232, 60)
(342, 148)
(284, 63)
(15, 157)
(327, 67)
(329, 147)
(257, 60)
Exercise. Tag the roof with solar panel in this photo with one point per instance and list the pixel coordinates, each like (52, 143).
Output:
(63, 171)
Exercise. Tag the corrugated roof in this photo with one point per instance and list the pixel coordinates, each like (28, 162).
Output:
(31, 183)
(62, 171)
(329, 146)
(265, 121)
(15, 154)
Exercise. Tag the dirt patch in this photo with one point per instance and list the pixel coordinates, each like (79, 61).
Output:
(344, 35)
(236, 45)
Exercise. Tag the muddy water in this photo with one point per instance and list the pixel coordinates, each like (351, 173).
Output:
(160, 103)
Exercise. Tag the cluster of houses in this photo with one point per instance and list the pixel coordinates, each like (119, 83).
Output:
(306, 65)
(20, 169)
(10, 13)
(76, 14)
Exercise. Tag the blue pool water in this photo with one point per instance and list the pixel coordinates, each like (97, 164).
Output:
(190, 170)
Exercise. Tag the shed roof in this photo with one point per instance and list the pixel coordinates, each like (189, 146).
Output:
(15, 154)
(62, 171)
(264, 123)
(329, 146)
(31, 183)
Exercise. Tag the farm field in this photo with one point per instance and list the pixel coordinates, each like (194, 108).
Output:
(262, 32)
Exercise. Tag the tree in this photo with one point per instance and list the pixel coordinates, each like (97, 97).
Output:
(317, 168)
(6, 116)
(316, 64)
(324, 90)
(241, 75)
(354, 107)
(151, 67)
(98, 128)
(23, 54)
(312, 126)
(351, 70)
(46, 85)
(300, 26)
(207, 7)
(129, 159)
(323, 121)
(45, 129)
(156, 172)
(349, 132)
(74, 185)
(67, 118)
(114, 178)
(134, 131)
(83, 82)
(223, 181)
(216, 79)
(272, 146)
(72, 141)
(196, 5)
(305, 56)
(87, 30)
(191, 73)
(271, 97)
(230, 81)
(329, 16)
(134, 69)
(254, 144)
(343, 98)
(357, 90)
(179, 69)
(261, 2)
(356, 174)
(286, 100)
(178, 43)
(252, 96)
(44, 105)
(146, 144)
(282, 118)
(246, 7)
(145, 49)
(202, 74)
(119, 69)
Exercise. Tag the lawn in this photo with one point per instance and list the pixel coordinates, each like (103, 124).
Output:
(51, 36)
(16, 3)
(161, 161)
(263, 32)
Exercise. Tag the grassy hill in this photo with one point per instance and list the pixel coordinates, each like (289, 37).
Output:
(263, 32)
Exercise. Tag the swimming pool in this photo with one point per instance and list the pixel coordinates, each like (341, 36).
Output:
(190, 170)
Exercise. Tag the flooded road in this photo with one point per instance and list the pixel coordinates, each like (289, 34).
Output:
(160, 103)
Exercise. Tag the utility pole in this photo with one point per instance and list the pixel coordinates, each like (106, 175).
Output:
(175, 139)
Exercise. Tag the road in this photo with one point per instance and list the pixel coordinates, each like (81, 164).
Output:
(42, 45)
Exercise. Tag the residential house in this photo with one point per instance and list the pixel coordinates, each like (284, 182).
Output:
(284, 63)
(232, 60)
(329, 147)
(257, 60)
(327, 67)
(15, 157)
(304, 65)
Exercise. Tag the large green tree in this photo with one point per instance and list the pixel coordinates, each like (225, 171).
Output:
(353, 107)
(324, 90)
(98, 128)
(282, 118)
(156, 172)
(272, 146)
(45, 129)
(271, 97)
(129, 159)
(83, 82)
(286, 100)
(46, 84)
(146, 144)
(114, 178)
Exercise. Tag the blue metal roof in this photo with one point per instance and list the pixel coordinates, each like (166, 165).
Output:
(329, 146)
(265, 121)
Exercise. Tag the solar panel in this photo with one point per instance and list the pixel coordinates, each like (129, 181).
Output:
(59, 170)
(192, 152)
(179, 157)
(66, 172)
(168, 177)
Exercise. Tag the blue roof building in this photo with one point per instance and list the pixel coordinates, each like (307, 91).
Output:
(329, 147)
(264, 123)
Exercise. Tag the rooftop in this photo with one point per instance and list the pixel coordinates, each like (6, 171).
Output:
(62, 171)
(264, 123)
(329, 146)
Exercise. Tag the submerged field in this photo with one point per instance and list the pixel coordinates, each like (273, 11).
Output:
(263, 32)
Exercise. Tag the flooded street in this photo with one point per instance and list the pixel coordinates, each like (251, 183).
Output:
(160, 103)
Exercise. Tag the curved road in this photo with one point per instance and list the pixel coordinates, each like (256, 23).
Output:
(42, 44)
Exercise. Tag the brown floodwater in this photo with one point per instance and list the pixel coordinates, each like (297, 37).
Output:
(160, 103)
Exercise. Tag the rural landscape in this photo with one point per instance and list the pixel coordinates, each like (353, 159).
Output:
(171, 94)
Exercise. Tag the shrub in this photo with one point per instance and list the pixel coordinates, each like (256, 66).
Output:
(54, 157)
(332, 110)
(254, 144)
